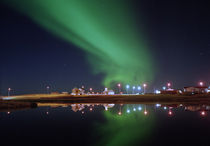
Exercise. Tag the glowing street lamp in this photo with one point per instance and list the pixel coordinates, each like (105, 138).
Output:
(144, 85)
(9, 89)
(134, 89)
(48, 88)
(201, 83)
(127, 87)
(164, 88)
(119, 86)
(169, 85)
(139, 88)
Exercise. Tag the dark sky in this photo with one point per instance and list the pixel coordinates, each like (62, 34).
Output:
(179, 38)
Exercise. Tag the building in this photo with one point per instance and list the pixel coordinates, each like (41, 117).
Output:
(80, 91)
(169, 91)
(108, 92)
(196, 90)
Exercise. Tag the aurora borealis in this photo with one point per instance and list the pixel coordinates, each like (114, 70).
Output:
(122, 129)
(105, 29)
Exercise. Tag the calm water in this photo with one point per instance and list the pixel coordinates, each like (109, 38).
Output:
(107, 125)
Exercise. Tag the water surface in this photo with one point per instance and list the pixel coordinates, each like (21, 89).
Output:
(106, 124)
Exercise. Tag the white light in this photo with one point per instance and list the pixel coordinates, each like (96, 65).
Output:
(145, 112)
(139, 108)
(157, 92)
(201, 83)
(164, 88)
(203, 113)
(139, 88)
(144, 85)
(134, 87)
(127, 86)
(128, 111)
(134, 109)
(158, 105)
(165, 107)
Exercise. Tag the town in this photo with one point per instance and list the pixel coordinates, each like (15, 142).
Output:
(137, 90)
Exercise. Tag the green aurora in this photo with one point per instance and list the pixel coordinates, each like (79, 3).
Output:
(105, 29)
(132, 128)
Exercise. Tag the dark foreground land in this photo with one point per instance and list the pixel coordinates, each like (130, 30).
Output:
(129, 99)
(30, 101)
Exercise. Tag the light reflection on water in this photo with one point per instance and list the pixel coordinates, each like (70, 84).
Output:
(108, 124)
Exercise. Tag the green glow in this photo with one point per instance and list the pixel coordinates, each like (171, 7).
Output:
(105, 29)
(128, 129)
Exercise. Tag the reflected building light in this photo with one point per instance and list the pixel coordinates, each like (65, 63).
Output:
(106, 108)
(203, 113)
(128, 111)
(170, 113)
(145, 112)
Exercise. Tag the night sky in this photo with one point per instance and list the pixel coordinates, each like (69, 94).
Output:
(178, 38)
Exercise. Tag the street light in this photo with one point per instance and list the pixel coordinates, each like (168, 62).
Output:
(119, 86)
(127, 87)
(48, 87)
(164, 88)
(201, 83)
(139, 88)
(169, 85)
(9, 89)
(145, 85)
(134, 89)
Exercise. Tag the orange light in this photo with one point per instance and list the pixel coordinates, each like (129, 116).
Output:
(145, 112)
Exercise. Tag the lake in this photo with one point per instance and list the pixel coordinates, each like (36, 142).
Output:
(107, 124)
